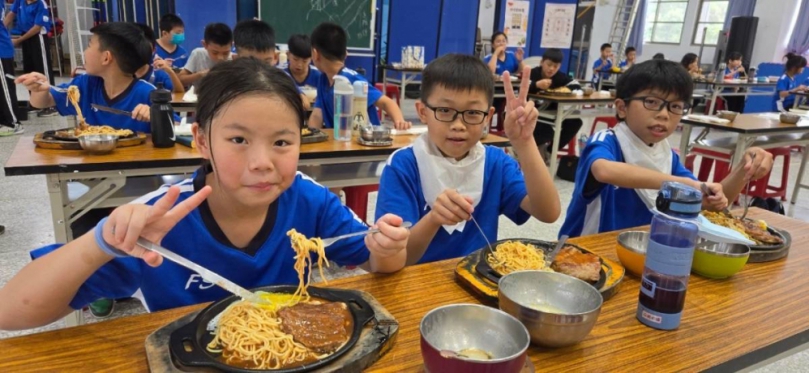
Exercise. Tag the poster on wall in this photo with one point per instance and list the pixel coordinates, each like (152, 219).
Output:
(516, 22)
(557, 27)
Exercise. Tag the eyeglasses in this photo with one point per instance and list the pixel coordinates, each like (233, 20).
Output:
(448, 114)
(657, 104)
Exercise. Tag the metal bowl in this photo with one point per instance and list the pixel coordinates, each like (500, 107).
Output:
(631, 250)
(375, 133)
(790, 118)
(98, 144)
(613, 93)
(727, 114)
(719, 260)
(558, 310)
(587, 91)
(447, 330)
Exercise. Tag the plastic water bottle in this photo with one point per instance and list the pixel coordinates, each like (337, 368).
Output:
(282, 59)
(162, 118)
(343, 99)
(359, 106)
(668, 256)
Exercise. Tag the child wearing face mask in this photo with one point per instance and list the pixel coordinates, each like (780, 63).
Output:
(172, 36)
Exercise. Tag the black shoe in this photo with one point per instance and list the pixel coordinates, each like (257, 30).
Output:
(49, 112)
(2, 229)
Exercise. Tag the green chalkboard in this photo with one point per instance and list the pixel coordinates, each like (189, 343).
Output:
(289, 17)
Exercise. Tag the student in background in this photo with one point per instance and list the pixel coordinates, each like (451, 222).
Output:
(630, 54)
(787, 86)
(547, 76)
(448, 177)
(159, 72)
(115, 52)
(9, 124)
(215, 48)
(172, 36)
(254, 38)
(690, 63)
(659, 56)
(329, 52)
(31, 19)
(300, 58)
(501, 59)
(622, 169)
(734, 70)
(603, 65)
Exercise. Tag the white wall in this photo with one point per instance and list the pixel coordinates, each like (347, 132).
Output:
(486, 18)
(676, 52)
(600, 32)
(775, 23)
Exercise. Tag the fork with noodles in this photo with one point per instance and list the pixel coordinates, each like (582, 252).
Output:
(73, 96)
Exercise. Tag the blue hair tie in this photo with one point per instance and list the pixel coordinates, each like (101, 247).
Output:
(105, 247)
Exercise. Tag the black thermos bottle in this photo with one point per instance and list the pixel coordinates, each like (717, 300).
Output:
(162, 118)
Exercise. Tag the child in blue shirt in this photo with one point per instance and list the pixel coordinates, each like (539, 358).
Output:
(502, 60)
(787, 85)
(255, 38)
(631, 54)
(329, 42)
(621, 169)
(448, 177)
(603, 65)
(115, 52)
(159, 72)
(172, 35)
(231, 216)
(300, 59)
(734, 70)
(9, 124)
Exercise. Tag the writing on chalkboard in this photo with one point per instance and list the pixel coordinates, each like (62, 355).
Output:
(290, 17)
(344, 13)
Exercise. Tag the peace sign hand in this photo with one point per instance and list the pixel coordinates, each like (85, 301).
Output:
(521, 116)
(128, 222)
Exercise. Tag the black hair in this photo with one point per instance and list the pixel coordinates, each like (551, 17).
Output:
(229, 80)
(794, 61)
(498, 33)
(659, 56)
(148, 33)
(605, 46)
(169, 22)
(733, 56)
(667, 77)
(126, 42)
(330, 40)
(254, 35)
(688, 59)
(300, 46)
(218, 33)
(457, 72)
(553, 54)
(629, 49)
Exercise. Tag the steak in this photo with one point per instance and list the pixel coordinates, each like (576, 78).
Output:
(322, 328)
(760, 234)
(572, 262)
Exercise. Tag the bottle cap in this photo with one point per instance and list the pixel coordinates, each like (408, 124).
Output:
(679, 198)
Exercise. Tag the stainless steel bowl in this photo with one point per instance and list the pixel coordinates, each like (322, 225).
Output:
(375, 133)
(450, 329)
(790, 118)
(98, 144)
(587, 91)
(558, 310)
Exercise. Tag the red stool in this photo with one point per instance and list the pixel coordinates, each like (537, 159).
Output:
(392, 91)
(762, 188)
(611, 122)
(709, 157)
(720, 105)
(357, 199)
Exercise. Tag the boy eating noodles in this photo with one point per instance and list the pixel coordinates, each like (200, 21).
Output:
(115, 52)
(215, 48)
(329, 43)
(603, 65)
(448, 177)
(621, 170)
(172, 35)
(300, 57)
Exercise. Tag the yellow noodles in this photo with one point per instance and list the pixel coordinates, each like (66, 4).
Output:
(73, 96)
(512, 256)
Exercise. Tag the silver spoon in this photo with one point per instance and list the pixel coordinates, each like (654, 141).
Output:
(329, 241)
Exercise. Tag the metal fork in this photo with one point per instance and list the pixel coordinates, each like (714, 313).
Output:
(12, 77)
(491, 250)
(747, 192)
(329, 241)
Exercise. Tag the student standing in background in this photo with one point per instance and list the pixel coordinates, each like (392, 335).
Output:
(9, 125)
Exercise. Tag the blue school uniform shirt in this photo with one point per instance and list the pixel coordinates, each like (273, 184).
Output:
(325, 97)
(400, 193)
(510, 63)
(605, 71)
(91, 89)
(30, 15)
(179, 56)
(305, 206)
(623, 64)
(785, 83)
(608, 207)
(6, 47)
(155, 77)
(312, 78)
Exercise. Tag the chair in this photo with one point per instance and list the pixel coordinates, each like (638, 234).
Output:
(357, 199)
(611, 122)
(762, 188)
(392, 91)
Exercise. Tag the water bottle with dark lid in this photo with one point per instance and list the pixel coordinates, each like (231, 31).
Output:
(668, 256)
(162, 118)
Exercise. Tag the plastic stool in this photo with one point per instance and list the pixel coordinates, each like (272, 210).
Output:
(720, 105)
(762, 188)
(357, 199)
(392, 91)
(609, 121)
(709, 157)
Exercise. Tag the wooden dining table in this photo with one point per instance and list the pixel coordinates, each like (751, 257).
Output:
(727, 324)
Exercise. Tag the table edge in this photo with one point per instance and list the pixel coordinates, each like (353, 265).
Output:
(765, 352)
(692, 122)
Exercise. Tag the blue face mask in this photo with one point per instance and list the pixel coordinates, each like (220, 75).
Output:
(177, 39)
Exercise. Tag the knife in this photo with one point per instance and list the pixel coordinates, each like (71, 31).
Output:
(111, 110)
(204, 272)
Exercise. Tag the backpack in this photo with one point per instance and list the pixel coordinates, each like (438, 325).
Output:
(769, 204)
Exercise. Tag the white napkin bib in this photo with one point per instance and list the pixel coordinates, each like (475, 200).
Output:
(657, 157)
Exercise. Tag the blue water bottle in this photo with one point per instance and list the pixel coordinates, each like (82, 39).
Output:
(668, 256)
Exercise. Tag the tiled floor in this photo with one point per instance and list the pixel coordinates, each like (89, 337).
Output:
(25, 211)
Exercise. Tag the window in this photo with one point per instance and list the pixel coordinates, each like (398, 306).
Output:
(664, 21)
(711, 15)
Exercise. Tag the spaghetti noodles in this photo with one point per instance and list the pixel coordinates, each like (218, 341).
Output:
(73, 96)
(512, 256)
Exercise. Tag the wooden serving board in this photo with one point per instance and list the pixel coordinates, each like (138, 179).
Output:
(468, 276)
(377, 338)
(51, 143)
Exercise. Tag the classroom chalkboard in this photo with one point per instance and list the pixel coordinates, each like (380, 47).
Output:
(289, 17)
